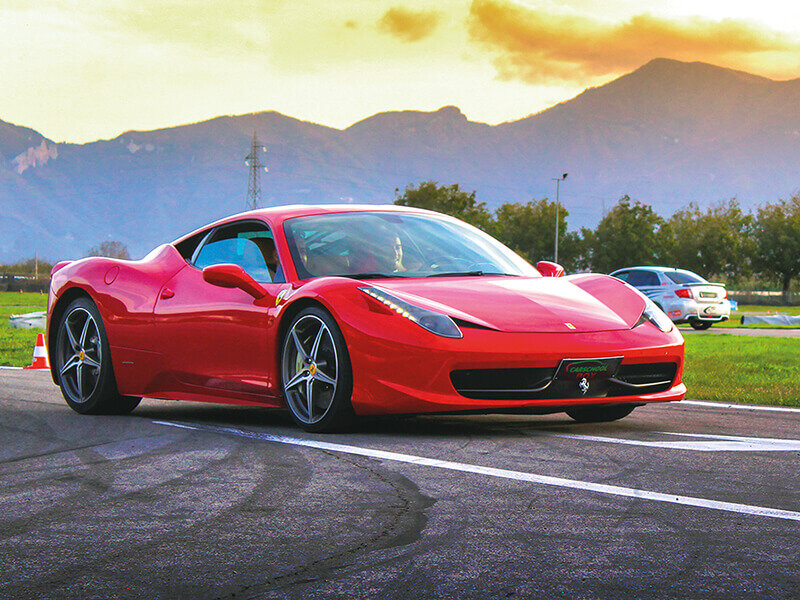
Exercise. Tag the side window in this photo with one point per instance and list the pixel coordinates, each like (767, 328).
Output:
(187, 247)
(624, 275)
(643, 278)
(651, 278)
(248, 244)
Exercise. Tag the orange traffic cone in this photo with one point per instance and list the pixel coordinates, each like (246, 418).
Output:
(40, 360)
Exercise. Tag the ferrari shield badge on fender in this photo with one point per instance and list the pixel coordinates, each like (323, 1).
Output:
(281, 295)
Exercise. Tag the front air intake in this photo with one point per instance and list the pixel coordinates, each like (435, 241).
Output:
(502, 383)
(645, 378)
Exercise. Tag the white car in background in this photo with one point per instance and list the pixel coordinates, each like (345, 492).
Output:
(684, 296)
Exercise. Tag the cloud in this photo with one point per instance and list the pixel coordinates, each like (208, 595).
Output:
(214, 25)
(540, 47)
(408, 25)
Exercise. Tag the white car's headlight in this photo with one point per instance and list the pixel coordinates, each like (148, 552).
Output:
(655, 315)
(427, 319)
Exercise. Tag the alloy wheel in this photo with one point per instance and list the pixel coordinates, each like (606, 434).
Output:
(80, 354)
(310, 369)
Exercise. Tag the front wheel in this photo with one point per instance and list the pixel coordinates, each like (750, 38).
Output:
(599, 414)
(83, 363)
(317, 377)
(700, 325)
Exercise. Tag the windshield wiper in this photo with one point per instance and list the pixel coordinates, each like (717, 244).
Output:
(469, 274)
(372, 275)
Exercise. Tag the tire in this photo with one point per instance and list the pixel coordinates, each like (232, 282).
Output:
(82, 363)
(600, 414)
(315, 363)
(700, 325)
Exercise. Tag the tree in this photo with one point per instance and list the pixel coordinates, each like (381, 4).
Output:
(715, 242)
(111, 249)
(450, 200)
(529, 230)
(625, 237)
(777, 241)
(28, 266)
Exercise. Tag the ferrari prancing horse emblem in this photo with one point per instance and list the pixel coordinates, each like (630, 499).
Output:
(583, 384)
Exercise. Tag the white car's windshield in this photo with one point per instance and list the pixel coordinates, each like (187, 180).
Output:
(389, 244)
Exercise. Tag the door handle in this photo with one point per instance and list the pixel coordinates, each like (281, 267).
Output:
(166, 294)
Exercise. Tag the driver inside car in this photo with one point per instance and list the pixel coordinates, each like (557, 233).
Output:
(382, 254)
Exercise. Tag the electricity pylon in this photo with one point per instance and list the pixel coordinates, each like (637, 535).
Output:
(254, 182)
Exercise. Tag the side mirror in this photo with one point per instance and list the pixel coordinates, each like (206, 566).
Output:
(233, 276)
(549, 269)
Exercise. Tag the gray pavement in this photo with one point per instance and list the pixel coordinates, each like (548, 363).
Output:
(189, 500)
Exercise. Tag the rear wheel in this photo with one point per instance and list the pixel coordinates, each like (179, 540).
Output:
(317, 377)
(700, 325)
(599, 414)
(83, 363)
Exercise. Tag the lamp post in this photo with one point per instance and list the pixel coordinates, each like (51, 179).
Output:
(558, 181)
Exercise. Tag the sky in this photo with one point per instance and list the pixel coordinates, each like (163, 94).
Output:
(82, 70)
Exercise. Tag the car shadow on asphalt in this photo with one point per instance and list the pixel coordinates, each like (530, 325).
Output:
(451, 426)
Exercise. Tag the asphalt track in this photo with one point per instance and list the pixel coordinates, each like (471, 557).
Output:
(183, 500)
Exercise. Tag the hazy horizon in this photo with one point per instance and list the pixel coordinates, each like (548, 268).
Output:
(365, 117)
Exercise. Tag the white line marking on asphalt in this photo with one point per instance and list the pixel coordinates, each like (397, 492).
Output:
(601, 488)
(722, 443)
(12, 368)
(787, 409)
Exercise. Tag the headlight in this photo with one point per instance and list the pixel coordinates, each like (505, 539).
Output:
(655, 315)
(427, 319)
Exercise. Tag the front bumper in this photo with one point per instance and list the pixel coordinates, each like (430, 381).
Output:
(410, 371)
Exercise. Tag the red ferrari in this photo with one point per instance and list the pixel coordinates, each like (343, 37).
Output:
(338, 311)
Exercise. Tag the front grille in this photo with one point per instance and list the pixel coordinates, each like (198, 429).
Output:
(538, 383)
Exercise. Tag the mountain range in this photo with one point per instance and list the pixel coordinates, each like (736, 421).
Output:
(667, 134)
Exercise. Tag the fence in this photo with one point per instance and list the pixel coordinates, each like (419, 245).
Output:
(764, 298)
(22, 283)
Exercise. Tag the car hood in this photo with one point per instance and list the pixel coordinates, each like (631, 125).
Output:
(579, 303)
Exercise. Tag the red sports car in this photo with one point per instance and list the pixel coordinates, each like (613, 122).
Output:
(337, 311)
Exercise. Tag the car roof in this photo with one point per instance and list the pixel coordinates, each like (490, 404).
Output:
(656, 269)
(276, 215)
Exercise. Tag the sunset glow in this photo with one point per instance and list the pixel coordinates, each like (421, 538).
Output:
(79, 71)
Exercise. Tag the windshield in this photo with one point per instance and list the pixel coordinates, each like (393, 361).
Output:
(385, 244)
(682, 277)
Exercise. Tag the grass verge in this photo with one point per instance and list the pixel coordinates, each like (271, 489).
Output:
(16, 345)
(734, 368)
(753, 308)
